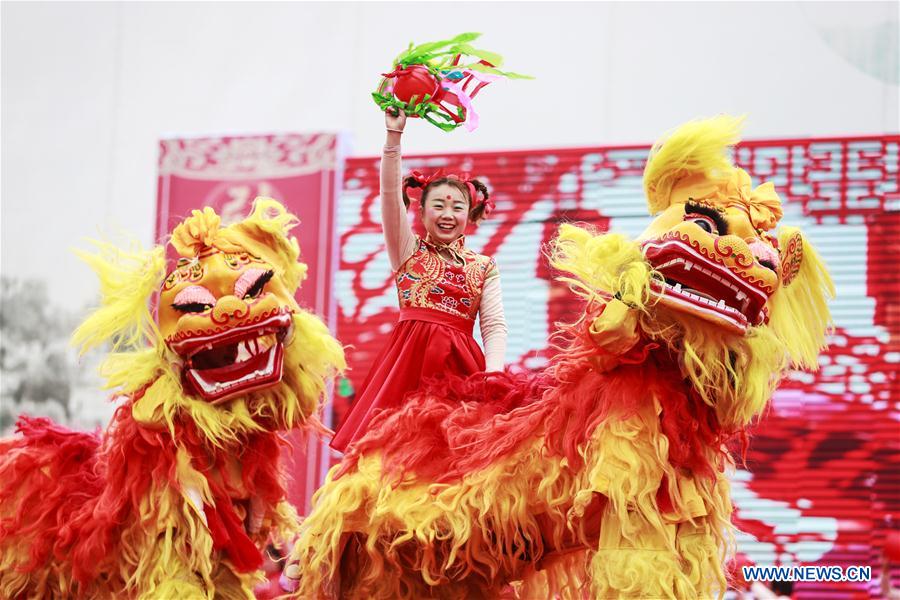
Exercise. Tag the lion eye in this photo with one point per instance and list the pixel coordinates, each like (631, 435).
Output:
(194, 299)
(192, 307)
(703, 222)
(251, 284)
(707, 218)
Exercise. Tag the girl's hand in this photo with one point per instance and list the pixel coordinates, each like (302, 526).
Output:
(394, 120)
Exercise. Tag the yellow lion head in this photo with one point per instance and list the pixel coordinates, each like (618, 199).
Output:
(228, 344)
(711, 277)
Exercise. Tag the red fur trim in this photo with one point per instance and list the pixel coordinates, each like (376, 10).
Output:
(229, 535)
(75, 494)
(440, 431)
(455, 426)
(259, 457)
(663, 499)
(53, 470)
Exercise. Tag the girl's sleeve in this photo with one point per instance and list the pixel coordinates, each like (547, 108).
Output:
(493, 323)
(398, 234)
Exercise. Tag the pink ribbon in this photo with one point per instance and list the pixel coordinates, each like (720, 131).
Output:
(471, 122)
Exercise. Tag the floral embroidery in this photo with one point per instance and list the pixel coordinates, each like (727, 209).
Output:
(430, 279)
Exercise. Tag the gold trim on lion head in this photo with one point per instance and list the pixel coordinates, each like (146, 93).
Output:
(709, 243)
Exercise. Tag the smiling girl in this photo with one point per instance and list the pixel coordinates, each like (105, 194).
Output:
(441, 284)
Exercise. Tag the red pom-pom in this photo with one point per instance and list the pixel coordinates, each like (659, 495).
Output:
(417, 81)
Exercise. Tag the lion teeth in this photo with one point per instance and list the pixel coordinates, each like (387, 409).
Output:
(243, 353)
(217, 386)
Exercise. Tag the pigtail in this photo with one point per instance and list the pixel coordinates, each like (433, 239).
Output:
(410, 182)
(479, 210)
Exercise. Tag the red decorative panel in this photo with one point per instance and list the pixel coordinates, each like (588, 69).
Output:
(303, 172)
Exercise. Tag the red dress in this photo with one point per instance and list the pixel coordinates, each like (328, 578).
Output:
(439, 301)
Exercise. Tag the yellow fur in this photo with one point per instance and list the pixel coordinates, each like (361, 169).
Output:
(127, 280)
(695, 148)
(163, 548)
(371, 537)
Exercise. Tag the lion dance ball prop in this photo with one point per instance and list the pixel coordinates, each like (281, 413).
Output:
(606, 475)
(438, 80)
(179, 495)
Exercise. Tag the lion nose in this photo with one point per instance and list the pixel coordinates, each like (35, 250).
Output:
(763, 253)
(736, 249)
(229, 307)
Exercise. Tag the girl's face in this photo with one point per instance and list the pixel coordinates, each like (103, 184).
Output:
(445, 213)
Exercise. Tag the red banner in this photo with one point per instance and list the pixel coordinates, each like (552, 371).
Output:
(303, 171)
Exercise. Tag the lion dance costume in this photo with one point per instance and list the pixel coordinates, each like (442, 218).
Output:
(178, 495)
(605, 475)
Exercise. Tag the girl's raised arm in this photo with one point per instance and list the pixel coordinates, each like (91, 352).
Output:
(398, 234)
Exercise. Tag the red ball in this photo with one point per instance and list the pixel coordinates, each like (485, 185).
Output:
(415, 80)
(892, 546)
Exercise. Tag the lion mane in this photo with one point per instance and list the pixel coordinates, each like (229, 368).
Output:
(176, 497)
(605, 475)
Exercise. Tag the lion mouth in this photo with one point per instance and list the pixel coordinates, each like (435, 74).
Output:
(222, 365)
(701, 286)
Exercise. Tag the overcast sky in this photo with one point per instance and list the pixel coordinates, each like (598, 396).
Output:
(89, 88)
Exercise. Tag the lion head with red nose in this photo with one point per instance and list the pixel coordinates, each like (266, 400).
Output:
(716, 259)
(229, 320)
(712, 244)
(737, 299)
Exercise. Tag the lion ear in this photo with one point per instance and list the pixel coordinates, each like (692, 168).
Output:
(798, 310)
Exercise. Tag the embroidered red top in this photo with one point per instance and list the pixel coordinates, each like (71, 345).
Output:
(429, 280)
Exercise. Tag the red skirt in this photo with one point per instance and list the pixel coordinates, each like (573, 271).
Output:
(424, 344)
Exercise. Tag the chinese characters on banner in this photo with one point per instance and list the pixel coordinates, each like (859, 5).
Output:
(303, 171)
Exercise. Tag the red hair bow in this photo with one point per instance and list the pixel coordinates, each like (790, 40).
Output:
(474, 194)
(424, 180)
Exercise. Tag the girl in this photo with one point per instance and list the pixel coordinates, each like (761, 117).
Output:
(441, 284)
